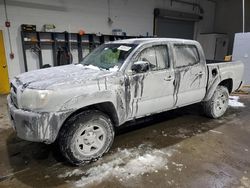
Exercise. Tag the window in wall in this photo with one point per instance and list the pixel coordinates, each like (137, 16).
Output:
(156, 56)
(186, 55)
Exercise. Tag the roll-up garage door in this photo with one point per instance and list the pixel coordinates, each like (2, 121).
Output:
(175, 28)
(174, 24)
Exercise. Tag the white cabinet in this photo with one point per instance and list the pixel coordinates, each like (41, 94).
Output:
(241, 51)
(215, 45)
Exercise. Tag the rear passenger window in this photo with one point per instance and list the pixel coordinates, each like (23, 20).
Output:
(156, 56)
(186, 55)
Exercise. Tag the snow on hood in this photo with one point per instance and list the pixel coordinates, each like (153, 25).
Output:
(114, 69)
(56, 77)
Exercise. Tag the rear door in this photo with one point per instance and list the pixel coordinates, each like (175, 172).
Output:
(190, 74)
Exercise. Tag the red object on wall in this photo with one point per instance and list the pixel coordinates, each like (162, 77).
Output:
(81, 32)
(7, 24)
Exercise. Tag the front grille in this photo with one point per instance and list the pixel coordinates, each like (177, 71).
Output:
(14, 99)
(13, 87)
(13, 94)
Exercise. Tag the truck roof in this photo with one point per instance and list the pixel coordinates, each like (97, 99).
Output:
(148, 40)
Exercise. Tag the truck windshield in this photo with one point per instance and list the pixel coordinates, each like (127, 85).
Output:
(108, 56)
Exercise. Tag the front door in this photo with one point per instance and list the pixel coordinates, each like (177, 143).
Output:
(4, 79)
(152, 91)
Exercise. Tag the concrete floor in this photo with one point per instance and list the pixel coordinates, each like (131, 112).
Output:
(180, 148)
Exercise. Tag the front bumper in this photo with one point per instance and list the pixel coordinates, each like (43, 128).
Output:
(34, 126)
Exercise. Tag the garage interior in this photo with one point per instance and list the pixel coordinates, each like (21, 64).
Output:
(177, 148)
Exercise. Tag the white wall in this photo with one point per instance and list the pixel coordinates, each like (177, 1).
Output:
(135, 17)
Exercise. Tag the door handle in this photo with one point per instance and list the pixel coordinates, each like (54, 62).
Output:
(169, 78)
(4, 66)
(199, 74)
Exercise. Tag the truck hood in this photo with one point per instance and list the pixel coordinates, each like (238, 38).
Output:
(61, 77)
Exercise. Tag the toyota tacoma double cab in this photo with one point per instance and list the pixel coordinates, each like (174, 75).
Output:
(80, 105)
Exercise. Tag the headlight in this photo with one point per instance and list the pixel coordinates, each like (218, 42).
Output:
(34, 99)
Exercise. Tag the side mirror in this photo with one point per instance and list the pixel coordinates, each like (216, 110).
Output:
(140, 67)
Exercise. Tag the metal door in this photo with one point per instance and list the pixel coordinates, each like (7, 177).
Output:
(174, 28)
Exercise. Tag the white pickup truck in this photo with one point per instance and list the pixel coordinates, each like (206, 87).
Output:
(79, 105)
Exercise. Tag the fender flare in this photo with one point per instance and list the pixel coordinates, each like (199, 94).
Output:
(212, 88)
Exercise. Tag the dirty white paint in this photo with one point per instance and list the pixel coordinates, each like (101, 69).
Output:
(123, 165)
(52, 94)
(234, 102)
(225, 70)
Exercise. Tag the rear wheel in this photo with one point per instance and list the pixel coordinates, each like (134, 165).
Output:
(86, 137)
(218, 103)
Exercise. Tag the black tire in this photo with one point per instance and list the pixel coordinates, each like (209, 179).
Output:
(68, 140)
(212, 107)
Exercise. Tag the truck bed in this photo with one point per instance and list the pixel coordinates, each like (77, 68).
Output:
(210, 61)
(218, 71)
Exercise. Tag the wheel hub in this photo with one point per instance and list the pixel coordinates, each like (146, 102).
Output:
(221, 103)
(90, 139)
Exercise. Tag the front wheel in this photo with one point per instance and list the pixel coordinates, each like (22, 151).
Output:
(218, 103)
(86, 137)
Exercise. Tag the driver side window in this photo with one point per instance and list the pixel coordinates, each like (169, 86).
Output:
(156, 56)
